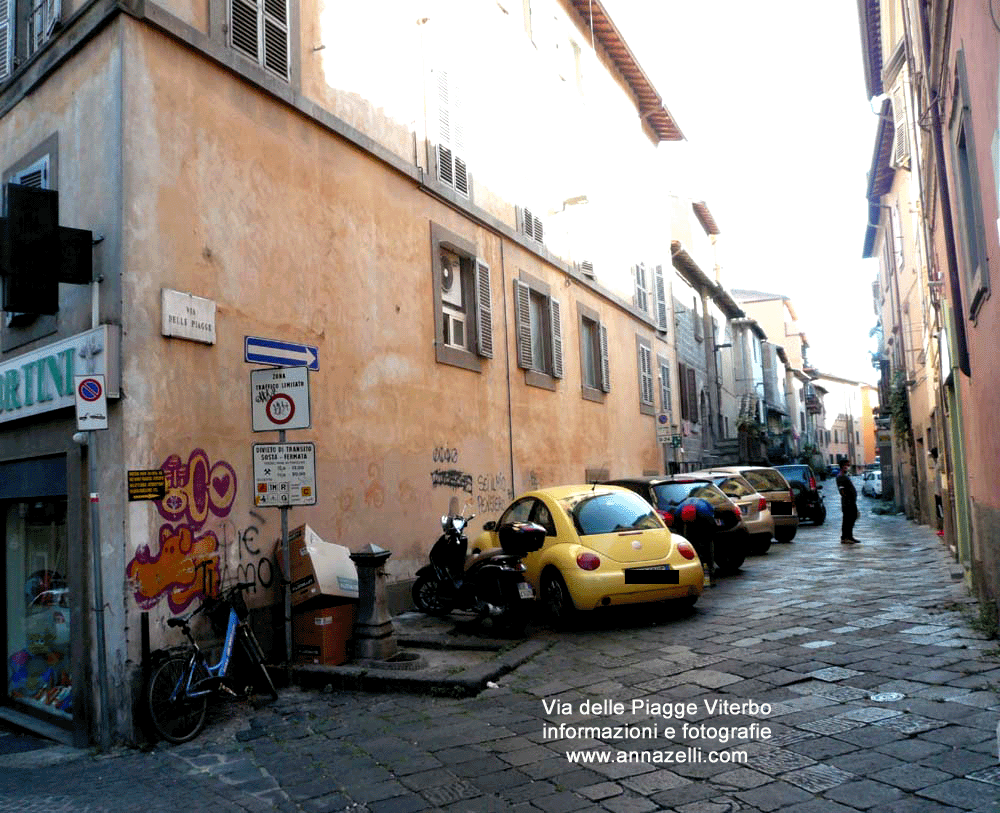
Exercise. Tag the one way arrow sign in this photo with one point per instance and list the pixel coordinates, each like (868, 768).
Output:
(280, 354)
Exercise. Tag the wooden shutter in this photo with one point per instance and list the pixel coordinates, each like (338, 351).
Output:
(661, 298)
(555, 322)
(452, 170)
(522, 311)
(692, 394)
(276, 37)
(605, 360)
(484, 311)
(900, 145)
(6, 38)
(53, 12)
(244, 28)
(665, 405)
(682, 390)
(645, 374)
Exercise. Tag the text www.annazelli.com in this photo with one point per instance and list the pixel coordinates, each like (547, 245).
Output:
(675, 756)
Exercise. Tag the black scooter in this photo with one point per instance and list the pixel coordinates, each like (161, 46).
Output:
(490, 584)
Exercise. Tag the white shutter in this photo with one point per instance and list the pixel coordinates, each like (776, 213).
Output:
(645, 374)
(36, 175)
(6, 38)
(522, 311)
(450, 146)
(53, 10)
(661, 298)
(901, 144)
(275, 24)
(605, 363)
(484, 311)
(244, 28)
(555, 320)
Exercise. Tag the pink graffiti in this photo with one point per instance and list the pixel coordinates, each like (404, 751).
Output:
(196, 489)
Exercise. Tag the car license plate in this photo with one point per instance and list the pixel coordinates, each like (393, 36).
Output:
(652, 574)
(525, 591)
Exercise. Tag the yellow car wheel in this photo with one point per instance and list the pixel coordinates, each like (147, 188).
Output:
(558, 603)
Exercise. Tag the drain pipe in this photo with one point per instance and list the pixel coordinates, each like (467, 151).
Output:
(506, 332)
(942, 176)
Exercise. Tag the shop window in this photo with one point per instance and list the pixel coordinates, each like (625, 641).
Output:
(38, 606)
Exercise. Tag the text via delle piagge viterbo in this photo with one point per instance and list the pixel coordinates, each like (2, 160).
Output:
(645, 730)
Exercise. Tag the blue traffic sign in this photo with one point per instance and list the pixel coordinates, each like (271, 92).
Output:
(280, 354)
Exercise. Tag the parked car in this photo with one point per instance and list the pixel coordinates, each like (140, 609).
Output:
(871, 484)
(781, 500)
(808, 500)
(722, 527)
(752, 504)
(832, 470)
(604, 545)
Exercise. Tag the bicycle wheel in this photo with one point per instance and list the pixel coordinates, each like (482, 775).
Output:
(255, 656)
(174, 720)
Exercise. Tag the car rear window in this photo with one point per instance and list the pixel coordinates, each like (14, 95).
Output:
(800, 473)
(766, 480)
(670, 494)
(604, 513)
(734, 486)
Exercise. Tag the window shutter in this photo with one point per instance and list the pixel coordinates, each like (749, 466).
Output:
(452, 170)
(605, 360)
(900, 145)
(53, 10)
(692, 394)
(661, 298)
(645, 374)
(6, 38)
(37, 175)
(522, 304)
(555, 321)
(276, 37)
(664, 385)
(681, 383)
(244, 29)
(484, 308)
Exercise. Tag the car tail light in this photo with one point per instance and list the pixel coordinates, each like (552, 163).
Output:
(686, 550)
(812, 483)
(688, 513)
(666, 516)
(588, 561)
(762, 504)
(791, 496)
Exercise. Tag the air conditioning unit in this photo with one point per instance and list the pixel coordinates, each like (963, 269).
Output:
(451, 279)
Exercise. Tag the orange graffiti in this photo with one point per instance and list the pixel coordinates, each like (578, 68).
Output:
(185, 567)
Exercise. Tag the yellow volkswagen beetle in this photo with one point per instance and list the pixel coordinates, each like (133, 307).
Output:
(604, 545)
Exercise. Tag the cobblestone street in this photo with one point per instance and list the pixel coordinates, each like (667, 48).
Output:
(823, 678)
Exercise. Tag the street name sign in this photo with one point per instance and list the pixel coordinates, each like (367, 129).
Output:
(284, 474)
(280, 398)
(280, 354)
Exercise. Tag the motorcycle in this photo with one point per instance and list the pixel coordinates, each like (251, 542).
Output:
(488, 583)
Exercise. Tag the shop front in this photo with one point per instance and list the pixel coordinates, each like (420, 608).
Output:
(48, 634)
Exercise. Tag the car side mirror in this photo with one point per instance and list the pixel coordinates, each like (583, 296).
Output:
(490, 526)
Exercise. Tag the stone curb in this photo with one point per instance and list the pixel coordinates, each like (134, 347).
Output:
(466, 683)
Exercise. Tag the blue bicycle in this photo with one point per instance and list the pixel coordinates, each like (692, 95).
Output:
(182, 681)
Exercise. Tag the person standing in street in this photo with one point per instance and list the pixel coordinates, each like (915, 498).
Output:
(848, 503)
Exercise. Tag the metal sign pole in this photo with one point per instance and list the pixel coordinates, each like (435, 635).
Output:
(95, 533)
(287, 564)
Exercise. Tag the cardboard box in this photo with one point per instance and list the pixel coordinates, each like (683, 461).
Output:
(321, 636)
(318, 568)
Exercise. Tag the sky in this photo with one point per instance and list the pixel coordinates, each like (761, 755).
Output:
(779, 137)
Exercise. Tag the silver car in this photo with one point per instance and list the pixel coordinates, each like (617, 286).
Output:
(753, 506)
(781, 499)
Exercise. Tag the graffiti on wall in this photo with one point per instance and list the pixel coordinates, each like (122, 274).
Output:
(489, 493)
(186, 564)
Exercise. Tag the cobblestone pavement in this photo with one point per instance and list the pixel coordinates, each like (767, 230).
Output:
(821, 678)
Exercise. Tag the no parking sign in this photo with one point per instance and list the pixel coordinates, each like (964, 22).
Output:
(91, 402)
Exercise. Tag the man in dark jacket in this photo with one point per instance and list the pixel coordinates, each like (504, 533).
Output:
(848, 503)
